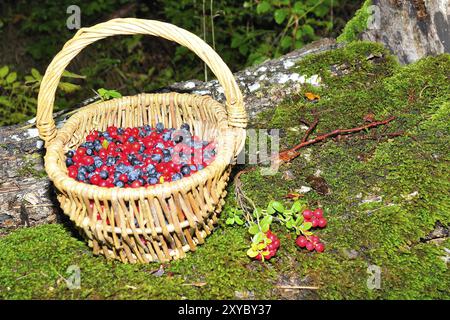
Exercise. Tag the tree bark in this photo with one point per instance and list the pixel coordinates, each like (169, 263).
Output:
(411, 29)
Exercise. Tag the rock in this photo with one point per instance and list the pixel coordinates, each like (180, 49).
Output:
(411, 29)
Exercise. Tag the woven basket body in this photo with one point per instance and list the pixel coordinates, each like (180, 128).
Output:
(156, 223)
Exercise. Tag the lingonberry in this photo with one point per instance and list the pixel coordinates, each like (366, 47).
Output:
(301, 241)
(307, 214)
(320, 247)
(318, 213)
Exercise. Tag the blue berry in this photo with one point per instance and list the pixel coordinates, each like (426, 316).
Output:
(152, 180)
(185, 126)
(119, 184)
(156, 157)
(177, 176)
(185, 170)
(159, 127)
(69, 162)
(70, 153)
(81, 176)
(104, 174)
(200, 167)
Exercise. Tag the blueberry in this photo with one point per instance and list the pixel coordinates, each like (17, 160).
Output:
(81, 176)
(150, 169)
(90, 168)
(120, 131)
(156, 157)
(159, 127)
(116, 175)
(159, 145)
(69, 162)
(70, 153)
(104, 174)
(152, 180)
(133, 175)
(142, 181)
(83, 145)
(98, 147)
(89, 152)
(167, 158)
(110, 161)
(121, 167)
(82, 170)
(200, 167)
(148, 127)
(167, 135)
(177, 138)
(176, 176)
(193, 167)
(166, 152)
(185, 170)
(141, 150)
(185, 126)
(131, 139)
(89, 144)
(120, 184)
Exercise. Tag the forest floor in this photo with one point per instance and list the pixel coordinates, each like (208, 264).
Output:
(385, 193)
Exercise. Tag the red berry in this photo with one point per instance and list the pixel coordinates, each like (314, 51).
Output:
(307, 214)
(315, 222)
(81, 151)
(309, 246)
(314, 239)
(318, 213)
(276, 242)
(322, 222)
(136, 184)
(72, 171)
(123, 177)
(95, 179)
(320, 247)
(301, 241)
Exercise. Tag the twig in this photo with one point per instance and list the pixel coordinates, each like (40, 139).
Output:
(310, 129)
(292, 153)
(298, 287)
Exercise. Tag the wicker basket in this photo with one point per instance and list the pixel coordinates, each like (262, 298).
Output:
(145, 224)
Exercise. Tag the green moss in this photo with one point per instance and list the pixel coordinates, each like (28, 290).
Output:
(357, 24)
(385, 196)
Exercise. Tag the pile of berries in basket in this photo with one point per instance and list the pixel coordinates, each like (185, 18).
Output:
(139, 157)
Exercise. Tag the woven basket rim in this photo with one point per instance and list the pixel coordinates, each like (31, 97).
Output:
(60, 176)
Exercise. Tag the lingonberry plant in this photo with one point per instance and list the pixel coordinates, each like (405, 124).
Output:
(298, 218)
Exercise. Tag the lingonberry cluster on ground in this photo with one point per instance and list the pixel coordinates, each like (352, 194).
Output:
(309, 241)
(139, 156)
(270, 249)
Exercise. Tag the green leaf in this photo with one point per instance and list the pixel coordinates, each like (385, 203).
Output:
(252, 253)
(11, 77)
(280, 15)
(68, 87)
(308, 30)
(278, 206)
(265, 223)
(286, 42)
(69, 74)
(253, 229)
(263, 7)
(259, 237)
(238, 220)
(35, 73)
(298, 8)
(306, 226)
(114, 94)
(298, 206)
(229, 221)
(4, 71)
(5, 102)
(105, 144)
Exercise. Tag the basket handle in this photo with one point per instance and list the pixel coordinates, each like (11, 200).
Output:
(237, 116)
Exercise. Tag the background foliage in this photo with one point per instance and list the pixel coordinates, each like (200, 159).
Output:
(243, 32)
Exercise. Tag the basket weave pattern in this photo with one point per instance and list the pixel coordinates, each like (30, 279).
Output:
(161, 222)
